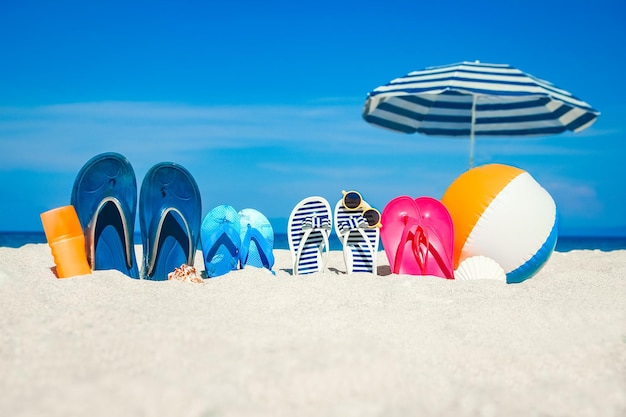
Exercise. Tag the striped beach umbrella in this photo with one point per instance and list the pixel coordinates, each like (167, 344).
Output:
(471, 99)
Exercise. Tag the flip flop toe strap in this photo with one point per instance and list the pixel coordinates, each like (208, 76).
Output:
(353, 223)
(309, 225)
(316, 223)
(253, 235)
(420, 248)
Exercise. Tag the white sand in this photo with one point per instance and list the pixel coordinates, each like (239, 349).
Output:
(253, 344)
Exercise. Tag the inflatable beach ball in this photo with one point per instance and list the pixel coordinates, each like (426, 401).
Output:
(502, 213)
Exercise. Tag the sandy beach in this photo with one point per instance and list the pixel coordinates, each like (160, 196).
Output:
(328, 344)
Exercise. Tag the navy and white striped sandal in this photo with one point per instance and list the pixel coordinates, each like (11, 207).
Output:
(308, 231)
(360, 241)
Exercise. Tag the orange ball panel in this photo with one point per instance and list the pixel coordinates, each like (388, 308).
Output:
(470, 194)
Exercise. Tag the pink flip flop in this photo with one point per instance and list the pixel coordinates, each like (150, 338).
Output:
(400, 222)
(437, 224)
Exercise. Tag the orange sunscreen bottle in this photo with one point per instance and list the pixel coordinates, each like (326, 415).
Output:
(66, 240)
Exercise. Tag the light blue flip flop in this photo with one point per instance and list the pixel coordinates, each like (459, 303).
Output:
(220, 240)
(170, 210)
(104, 196)
(257, 240)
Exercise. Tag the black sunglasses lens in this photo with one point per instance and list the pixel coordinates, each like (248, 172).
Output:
(352, 200)
(372, 217)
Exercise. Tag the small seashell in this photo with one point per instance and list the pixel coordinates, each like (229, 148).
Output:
(479, 267)
(185, 273)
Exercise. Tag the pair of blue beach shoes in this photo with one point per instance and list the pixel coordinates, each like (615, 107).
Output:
(170, 209)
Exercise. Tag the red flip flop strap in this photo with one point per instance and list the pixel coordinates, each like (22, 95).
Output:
(409, 222)
(420, 248)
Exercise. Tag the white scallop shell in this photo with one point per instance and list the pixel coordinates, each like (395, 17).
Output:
(479, 267)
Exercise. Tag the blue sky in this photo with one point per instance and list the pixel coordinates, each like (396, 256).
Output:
(262, 101)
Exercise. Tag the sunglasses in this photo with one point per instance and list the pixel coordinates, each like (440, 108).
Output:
(353, 201)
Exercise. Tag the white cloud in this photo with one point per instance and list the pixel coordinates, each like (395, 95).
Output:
(64, 135)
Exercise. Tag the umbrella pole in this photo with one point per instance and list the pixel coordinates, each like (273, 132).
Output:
(471, 155)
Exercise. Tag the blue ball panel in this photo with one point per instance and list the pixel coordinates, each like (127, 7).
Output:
(534, 264)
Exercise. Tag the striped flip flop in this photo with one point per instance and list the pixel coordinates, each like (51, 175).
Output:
(360, 242)
(308, 230)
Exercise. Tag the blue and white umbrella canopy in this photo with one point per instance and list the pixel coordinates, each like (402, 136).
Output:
(474, 99)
